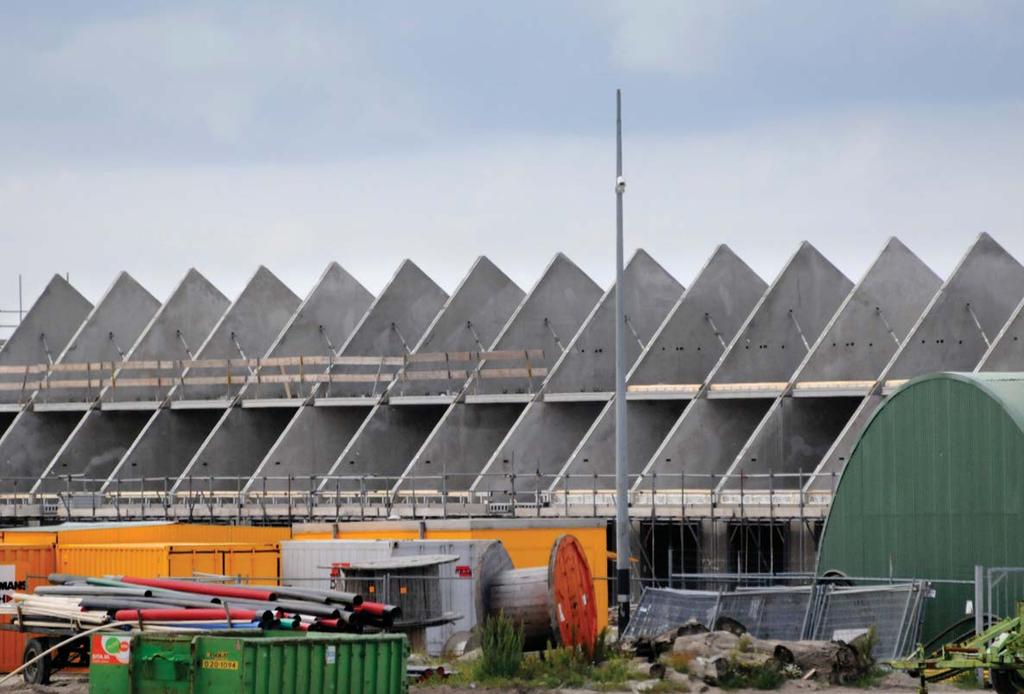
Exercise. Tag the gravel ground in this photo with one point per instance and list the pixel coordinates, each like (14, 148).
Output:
(74, 683)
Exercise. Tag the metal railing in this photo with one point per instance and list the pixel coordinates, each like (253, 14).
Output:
(337, 497)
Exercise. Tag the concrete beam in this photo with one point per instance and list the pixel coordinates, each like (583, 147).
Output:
(855, 347)
(43, 333)
(697, 330)
(1006, 352)
(176, 331)
(171, 437)
(952, 334)
(244, 435)
(467, 435)
(470, 321)
(588, 363)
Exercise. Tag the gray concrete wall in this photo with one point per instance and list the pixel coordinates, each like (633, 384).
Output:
(107, 335)
(386, 443)
(321, 325)
(169, 439)
(30, 441)
(794, 311)
(553, 311)
(91, 451)
(874, 319)
(648, 423)
(255, 318)
(181, 326)
(686, 347)
(244, 435)
(547, 319)
(459, 447)
(394, 324)
(43, 333)
(588, 364)
(172, 436)
(29, 444)
(470, 321)
(538, 444)
(316, 435)
(309, 445)
(700, 326)
(99, 441)
(704, 441)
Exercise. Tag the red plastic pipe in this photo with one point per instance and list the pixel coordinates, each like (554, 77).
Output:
(185, 615)
(377, 609)
(204, 588)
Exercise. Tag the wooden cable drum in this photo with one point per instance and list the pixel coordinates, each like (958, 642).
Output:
(554, 603)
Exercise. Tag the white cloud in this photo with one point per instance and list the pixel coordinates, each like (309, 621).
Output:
(933, 178)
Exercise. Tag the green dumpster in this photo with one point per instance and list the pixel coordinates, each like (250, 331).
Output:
(258, 664)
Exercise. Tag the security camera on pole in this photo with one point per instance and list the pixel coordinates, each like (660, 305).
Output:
(621, 458)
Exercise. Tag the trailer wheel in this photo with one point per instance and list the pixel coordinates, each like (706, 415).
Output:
(39, 671)
(1006, 681)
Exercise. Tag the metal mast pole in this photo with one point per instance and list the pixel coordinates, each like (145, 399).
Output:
(621, 458)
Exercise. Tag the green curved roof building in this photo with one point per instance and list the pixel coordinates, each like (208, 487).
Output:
(934, 486)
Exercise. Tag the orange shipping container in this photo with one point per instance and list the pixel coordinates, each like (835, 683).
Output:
(155, 560)
(22, 568)
(87, 533)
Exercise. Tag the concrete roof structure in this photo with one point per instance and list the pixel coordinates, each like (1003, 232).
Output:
(491, 392)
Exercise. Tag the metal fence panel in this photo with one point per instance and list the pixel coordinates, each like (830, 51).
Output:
(662, 609)
(891, 610)
(768, 614)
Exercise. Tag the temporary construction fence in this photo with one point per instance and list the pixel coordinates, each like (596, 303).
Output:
(820, 611)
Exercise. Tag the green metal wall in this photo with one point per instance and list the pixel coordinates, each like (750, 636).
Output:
(934, 487)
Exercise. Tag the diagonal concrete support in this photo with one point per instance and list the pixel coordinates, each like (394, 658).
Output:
(470, 321)
(581, 382)
(468, 432)
(102, 436)
(41, 336)
(316, 435)
(1007, 350)
(859, 341)
(37, 434)
(686, 347)
(174, 433)
(953, 334)
(764, 354)
(244, 435)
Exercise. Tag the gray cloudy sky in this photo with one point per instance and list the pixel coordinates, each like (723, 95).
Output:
(157, 136)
